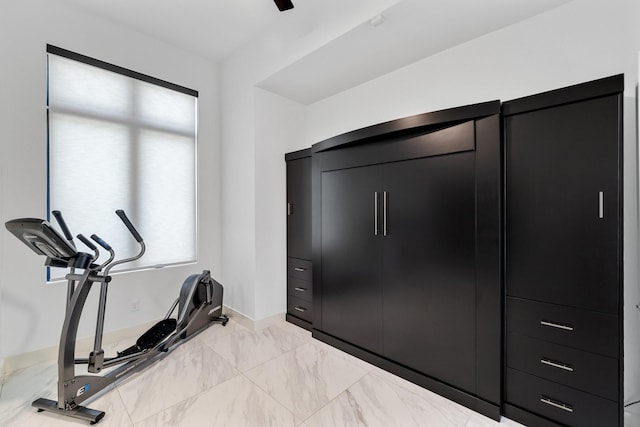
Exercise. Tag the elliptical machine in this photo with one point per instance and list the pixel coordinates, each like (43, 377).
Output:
(198, 306)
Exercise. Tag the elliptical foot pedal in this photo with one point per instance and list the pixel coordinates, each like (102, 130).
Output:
(80, 412)
(131, 350)
(157, 333)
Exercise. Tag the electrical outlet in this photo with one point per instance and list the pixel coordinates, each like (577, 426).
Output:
(135, 306)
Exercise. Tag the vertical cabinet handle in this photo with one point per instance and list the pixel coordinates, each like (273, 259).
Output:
(289, 209)
(384, 213)
(375, 213)
(601, 204)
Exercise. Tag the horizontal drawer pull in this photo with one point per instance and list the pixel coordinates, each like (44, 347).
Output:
(556, 325)
(300, 289)
(300, 269)
(300, 309)
(556, 404)
(557, 364)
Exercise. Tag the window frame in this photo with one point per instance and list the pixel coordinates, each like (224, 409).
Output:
(64, 53)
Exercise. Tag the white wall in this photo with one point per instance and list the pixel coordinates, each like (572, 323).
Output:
(580, 41)
(279, 122)
(247, 238)
(31, 312)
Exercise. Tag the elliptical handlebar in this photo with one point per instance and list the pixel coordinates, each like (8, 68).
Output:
(101, 242)
(63, 226)
(135, 234)
(106, 247)
(87, 242)
(129, 225)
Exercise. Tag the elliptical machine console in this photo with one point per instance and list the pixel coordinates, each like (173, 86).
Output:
(198, 305)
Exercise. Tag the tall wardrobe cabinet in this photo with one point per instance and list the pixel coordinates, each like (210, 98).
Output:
(563, 256)
(406, 221)
(299, 265)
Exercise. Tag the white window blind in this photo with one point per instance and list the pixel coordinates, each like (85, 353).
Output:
(122, 140)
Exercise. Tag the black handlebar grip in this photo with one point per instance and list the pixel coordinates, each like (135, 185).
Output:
(87, 242)
(130, 226)
(63, 225)
(101, 242)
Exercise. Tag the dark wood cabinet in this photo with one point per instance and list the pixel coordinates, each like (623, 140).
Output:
(299, 205)
(299, 264)
(563, 245)
(562, 203)
(428, 266)
(475, 251)
(405, 266)
(351, 256)
(391, 234)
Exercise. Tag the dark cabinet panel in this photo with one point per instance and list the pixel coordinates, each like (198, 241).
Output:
(406, 269)
(429, 266)
(571, 327)
(300, 308)
(300, 289)
(300, 269)
(563, 245)
(575, 368)
(351, 256)
(562, 204)
(299, 208)
(564, 405)
(299, 265)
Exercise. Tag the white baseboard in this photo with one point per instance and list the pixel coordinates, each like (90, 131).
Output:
(252, 324)
(85, 345)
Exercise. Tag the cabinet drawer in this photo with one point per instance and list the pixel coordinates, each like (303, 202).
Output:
(585, 371)
(299, 268)
(559, 403)
(299, 308)
(300, 289)
(582, 329)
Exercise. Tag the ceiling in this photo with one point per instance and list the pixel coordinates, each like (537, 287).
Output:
(412, 29)
(210, 28)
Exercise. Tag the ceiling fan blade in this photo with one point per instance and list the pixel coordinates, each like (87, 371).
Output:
(284, 4)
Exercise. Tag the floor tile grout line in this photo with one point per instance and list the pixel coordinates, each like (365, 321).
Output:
(317, 349)
(115, 388)
(257, 385)
(336, 397)
(404, 405)
(193, 397)
(267, 393)
(243, 373)
(393, 386)
(266, 361)
(183, 400)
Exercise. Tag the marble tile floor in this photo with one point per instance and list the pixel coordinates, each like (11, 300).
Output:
(232, 376)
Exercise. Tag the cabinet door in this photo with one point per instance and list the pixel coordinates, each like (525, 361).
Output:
(429, 267)
(299, 208)
(351, 256)
(562, 204)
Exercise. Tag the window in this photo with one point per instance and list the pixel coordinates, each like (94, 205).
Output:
(122, 140)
